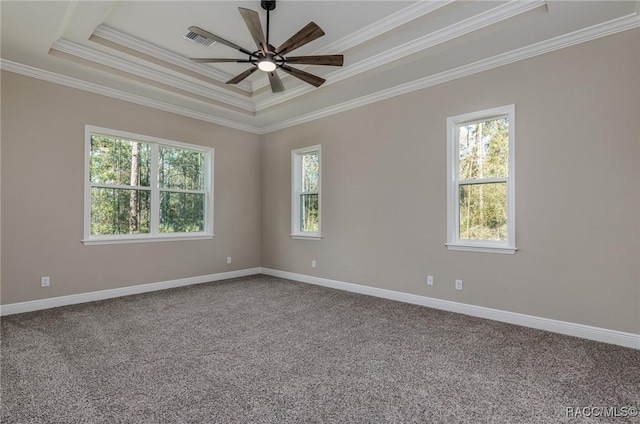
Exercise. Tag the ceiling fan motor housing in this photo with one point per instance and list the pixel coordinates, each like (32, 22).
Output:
(268, 4)
(269, 58)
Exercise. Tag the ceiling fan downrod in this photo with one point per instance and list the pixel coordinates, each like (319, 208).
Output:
(269, 58)
(268, 5)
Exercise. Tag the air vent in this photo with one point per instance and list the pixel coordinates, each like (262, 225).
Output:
(199, 38)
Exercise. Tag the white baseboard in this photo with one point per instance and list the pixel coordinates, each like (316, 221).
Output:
(54, 302)
(578, 330)
(571, 329)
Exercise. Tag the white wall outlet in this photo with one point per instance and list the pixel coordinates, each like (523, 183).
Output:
(430, 280)
(228, 259)
(45, 282)
(313, 263)
(458, 284)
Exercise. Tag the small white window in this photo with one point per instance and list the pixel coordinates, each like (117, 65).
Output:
(305, 191)
(140, 188)
(480, 169)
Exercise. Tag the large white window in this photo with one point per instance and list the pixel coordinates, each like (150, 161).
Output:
(141, 188)
(305, 191)
(480, 169)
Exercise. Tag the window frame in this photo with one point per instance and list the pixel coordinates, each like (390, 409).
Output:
(296, 184)
(454, 242)
(154, 234)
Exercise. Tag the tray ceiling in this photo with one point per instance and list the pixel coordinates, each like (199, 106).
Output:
(136, 50)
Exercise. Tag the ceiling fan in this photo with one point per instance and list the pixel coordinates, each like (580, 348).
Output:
(268, 58)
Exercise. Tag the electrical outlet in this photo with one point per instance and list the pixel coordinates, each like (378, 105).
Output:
(313, 263)
(458, 284)
(45, 282)
(430, 280)
(228, 259)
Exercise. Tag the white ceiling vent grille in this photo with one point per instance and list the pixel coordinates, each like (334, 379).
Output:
(205, 41)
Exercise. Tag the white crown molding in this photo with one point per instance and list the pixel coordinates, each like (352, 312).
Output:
(459, 29)
(37, 73)
(55, 302)
(102, 58)
(600, 30)
(623, 23)
(562, 327)
(149, 49)
(384, 25)
(399, 18)
(375, 29)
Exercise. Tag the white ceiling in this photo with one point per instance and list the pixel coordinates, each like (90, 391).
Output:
(135, 50)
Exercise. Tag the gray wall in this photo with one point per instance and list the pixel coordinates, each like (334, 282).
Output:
(42, 195)
(384, 192)
(577, 190)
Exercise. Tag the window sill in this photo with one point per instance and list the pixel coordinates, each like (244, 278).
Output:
(505, 250)
(305, 237)
(147, 239)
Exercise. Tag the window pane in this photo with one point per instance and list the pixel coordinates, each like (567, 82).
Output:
(309, 213)
(181, 212)
(483, 211)
(120, 162)
(119, 211)
(180, 168)
(484, 149)
(310, 171)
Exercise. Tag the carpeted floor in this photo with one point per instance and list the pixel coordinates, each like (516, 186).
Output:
(266, 350)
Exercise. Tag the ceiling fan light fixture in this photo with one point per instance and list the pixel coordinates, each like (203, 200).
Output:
(269, 58)
(267, 65)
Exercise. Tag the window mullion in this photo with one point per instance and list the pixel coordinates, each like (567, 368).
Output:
(155, 190)
(484, 181)
(119, 187)
(181, 190)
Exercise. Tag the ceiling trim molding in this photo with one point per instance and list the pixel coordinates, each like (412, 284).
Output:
(102, 58)
(384, 25)
(459, 29)
(55, 78)
(375, 29)
(159, 53)
(623, 23)
(614, 26)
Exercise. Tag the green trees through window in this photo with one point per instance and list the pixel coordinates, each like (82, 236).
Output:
(120, 186)
(143, 187)
(483, 164)
(480, 193)
(182, 194)
(305, 190)
(309, 195)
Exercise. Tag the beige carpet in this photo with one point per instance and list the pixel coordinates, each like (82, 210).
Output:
(267, 350)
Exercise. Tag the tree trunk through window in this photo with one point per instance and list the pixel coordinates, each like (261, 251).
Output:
(135, 181)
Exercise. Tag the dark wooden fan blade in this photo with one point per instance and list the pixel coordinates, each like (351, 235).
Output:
(215, 60)
(276, 82)
(300, 38)
(304, 76)
(242, 76)
(328, 60)
(203, 33)
(252, 20)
